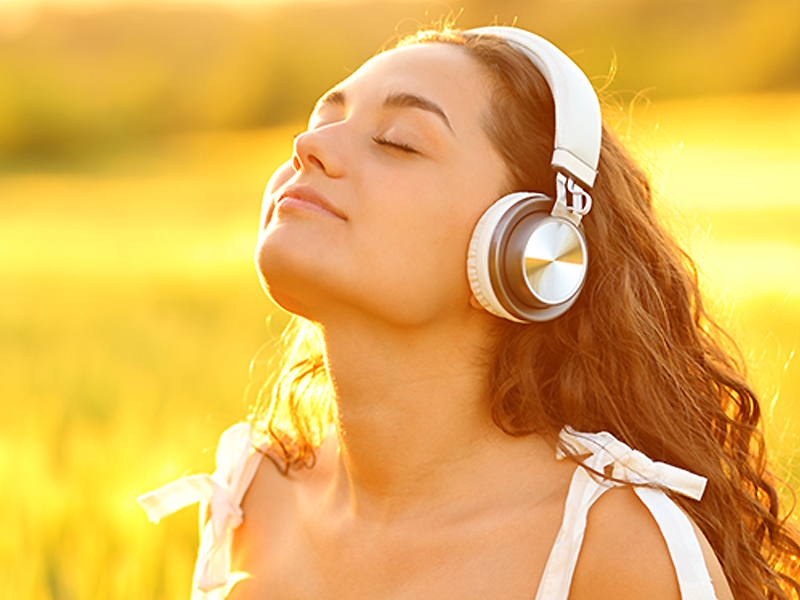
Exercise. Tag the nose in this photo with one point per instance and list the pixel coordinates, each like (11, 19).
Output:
(317, 150)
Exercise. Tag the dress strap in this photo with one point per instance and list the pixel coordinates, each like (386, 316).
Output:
(557, 577)
(684, 548)
(627, 466)
(222, 492)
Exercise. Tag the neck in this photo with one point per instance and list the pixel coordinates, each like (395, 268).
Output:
(413, 419)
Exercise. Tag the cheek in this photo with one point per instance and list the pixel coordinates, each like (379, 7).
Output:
(438, 219)
(420, 237)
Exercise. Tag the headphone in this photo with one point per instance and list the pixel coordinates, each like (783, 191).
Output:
(527, 256)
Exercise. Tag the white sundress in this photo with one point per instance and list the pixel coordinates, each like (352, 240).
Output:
(238, 459)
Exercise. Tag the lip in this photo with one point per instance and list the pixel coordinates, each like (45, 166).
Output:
(305, 197)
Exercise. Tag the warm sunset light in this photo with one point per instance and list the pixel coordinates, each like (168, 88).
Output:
(135, 142)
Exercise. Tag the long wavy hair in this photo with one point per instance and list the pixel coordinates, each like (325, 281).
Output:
(637, 355)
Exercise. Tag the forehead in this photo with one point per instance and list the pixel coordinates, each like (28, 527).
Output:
(443, 73)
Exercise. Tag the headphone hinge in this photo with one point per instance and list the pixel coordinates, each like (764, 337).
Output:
(572, 210)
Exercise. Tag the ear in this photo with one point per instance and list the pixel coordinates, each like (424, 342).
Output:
(474, 303)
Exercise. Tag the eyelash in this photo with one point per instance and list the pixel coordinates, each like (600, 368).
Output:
(396, 145)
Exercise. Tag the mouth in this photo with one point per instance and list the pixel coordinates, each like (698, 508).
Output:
(303, 197)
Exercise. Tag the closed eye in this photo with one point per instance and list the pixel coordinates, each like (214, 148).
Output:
(396, 145)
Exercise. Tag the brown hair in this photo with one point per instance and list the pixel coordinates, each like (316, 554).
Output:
(637, 355)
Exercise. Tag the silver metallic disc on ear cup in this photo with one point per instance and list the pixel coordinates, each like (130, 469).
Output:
(554, 261)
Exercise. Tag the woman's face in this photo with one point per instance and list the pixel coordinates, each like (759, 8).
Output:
(375, 211)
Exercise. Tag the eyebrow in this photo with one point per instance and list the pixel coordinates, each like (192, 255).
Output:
(396, 100)
(405, 100)
(334, 97)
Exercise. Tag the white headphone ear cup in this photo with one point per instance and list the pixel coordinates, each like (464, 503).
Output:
(523, 264)
(480, 279)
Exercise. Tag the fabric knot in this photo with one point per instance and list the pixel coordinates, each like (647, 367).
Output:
(223, 509)
(220, 493)
(630, 465)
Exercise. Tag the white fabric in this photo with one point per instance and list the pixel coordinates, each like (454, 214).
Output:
(222, 493)
(633, 466)
(628, 466)
(684, 547)
(237, 462)
(557, 577)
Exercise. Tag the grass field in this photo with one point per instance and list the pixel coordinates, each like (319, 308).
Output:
(130, 313)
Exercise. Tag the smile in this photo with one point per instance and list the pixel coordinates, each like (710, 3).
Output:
(305, 198)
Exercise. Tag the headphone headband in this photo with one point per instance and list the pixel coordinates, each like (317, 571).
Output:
(527, 258)
(578, 117)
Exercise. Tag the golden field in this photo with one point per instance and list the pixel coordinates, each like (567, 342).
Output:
(130, 312)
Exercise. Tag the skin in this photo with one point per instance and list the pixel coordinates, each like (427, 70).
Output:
(418, 495)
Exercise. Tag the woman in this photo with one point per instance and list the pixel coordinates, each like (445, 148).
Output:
(457, 412)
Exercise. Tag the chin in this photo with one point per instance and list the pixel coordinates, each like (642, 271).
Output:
(288, 303)
(282, 279)
(285, 299)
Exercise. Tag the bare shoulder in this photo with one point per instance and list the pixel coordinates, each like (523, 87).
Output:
(264, 501)
(624, 555)
(270, 505)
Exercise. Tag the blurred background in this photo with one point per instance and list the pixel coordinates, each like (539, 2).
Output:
(135, 142)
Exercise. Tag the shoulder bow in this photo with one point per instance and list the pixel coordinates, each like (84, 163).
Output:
(220, 492)
(630, 465)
